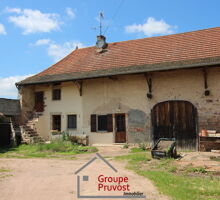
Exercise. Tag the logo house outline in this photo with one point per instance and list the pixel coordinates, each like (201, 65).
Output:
(86, 178)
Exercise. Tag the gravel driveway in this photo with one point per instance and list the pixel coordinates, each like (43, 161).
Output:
(54, 179)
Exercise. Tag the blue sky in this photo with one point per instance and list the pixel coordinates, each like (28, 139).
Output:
(36, 34)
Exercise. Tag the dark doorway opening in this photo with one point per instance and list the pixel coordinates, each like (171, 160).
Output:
(56, 122)
(39, 102)
(5, 134)
(175, 119)
(120, 128)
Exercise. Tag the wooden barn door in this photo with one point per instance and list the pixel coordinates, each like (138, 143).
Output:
(175, 119)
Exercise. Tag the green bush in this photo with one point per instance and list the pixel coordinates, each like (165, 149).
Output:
(65, 136)
(142, 146)
(126, 146)
(62, 146)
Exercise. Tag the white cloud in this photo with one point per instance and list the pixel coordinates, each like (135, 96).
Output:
(33, 21)
(57, 51)
(70, 13)
(2, 30)
(151, 27)
(8, 88)
(12, 10)
(42, 42)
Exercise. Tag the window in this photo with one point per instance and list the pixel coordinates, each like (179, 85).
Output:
(56, 122)
(71, 121)
(56, 94)
(101, 123)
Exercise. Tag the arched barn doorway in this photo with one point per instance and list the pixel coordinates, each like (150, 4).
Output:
(175, 119)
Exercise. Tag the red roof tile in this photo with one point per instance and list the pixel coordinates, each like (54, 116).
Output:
(171, 48)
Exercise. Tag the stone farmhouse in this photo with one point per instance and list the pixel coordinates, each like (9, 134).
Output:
(129, 92)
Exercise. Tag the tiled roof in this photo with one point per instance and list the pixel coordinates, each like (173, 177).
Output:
(148, 52)
(10, 106)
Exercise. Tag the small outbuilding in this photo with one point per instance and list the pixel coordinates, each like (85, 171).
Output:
(9, 121)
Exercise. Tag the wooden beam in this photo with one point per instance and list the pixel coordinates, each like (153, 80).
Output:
(79, 85)
(205, 77)
(148, 77)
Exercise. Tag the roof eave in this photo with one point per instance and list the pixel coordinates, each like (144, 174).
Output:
(185, 64)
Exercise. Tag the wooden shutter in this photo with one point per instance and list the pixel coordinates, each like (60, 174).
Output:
(93, 123)
(109, 123)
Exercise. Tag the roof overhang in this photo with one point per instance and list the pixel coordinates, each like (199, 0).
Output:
(184, 64)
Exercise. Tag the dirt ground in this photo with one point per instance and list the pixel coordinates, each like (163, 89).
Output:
(201, 159)
(54, 179)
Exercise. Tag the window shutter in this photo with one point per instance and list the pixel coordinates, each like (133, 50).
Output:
(109, 123)
(93, 123)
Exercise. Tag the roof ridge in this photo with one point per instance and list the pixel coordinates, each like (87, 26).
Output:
(191, 45)
(160, 36)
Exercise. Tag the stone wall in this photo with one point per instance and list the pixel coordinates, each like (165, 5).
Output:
(137, 126)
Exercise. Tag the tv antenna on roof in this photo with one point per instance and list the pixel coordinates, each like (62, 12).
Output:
(100, 19)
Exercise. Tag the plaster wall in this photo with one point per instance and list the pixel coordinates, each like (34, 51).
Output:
(127, 95)
(70, 103)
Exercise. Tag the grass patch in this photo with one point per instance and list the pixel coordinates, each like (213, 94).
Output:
(3, 170)
(180, 184)
(136, 150)
(184, 187)
(56, 149)
(134, 157)
(4, 173)
(190, 169)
